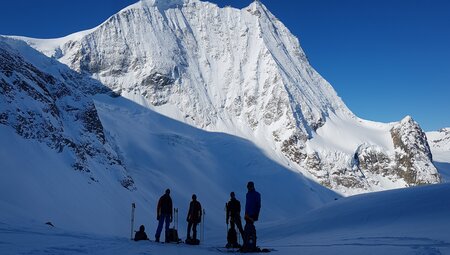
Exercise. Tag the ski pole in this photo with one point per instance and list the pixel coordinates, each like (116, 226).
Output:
(133, 206)
(203, 226)
(176, 209)
(226, 216)
(174, 218)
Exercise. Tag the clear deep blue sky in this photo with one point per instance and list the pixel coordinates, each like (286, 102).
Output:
(385, 58)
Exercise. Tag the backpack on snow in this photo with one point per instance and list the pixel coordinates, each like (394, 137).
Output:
(232, 239)
(250, 238)
(172, 236)
(172, 233)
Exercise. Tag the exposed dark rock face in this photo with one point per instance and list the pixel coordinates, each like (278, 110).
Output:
(157, 88)
(41, 107)
(294, 147)
(373, 160)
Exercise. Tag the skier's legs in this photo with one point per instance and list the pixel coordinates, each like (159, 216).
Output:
(238, 222)
(194, 230)
(232, 223)
(189, 230)
(167, 220)
(160, 226)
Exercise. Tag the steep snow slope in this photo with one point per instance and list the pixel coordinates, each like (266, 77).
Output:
(411, 221)
(55, 112)
(242, 72)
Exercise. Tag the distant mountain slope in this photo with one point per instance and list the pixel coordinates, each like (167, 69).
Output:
(440, 143)
(440, 146)
(242, 72)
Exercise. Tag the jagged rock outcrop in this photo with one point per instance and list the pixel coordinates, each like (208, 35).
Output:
(41, 107)
(412, 153)
(408, 164)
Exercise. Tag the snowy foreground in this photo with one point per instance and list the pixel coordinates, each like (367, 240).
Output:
(408, 221)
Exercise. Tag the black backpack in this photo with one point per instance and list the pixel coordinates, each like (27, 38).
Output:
(172, 236)
(232, 238)
(172, 233)
(250, 238)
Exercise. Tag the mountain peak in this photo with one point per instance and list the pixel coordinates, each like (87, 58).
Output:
(256, 7)
(165, 4)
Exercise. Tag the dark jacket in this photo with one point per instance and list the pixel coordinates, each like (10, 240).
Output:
(140, 235)
(253, 204)
(164, 205)
(195, 212)
(233, 209)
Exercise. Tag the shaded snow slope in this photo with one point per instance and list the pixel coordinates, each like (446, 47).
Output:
(159, 153)
(403, 221)
(61, 164)
(67, 155)
(408, 221)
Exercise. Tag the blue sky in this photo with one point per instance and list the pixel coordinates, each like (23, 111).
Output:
(385, 58)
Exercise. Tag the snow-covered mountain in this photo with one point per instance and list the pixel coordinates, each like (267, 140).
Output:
(242, 72)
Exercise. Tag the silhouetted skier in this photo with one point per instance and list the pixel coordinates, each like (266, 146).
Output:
(234, 218)
(164, 214)
(193, 218)
(252, 208)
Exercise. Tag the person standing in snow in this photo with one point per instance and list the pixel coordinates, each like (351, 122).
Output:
(234, 213)
(140, 235)
(164, 214)
(252, 208)
(252, 203)
(193, 218)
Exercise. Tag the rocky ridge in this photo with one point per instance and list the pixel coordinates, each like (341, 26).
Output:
(41, 107)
